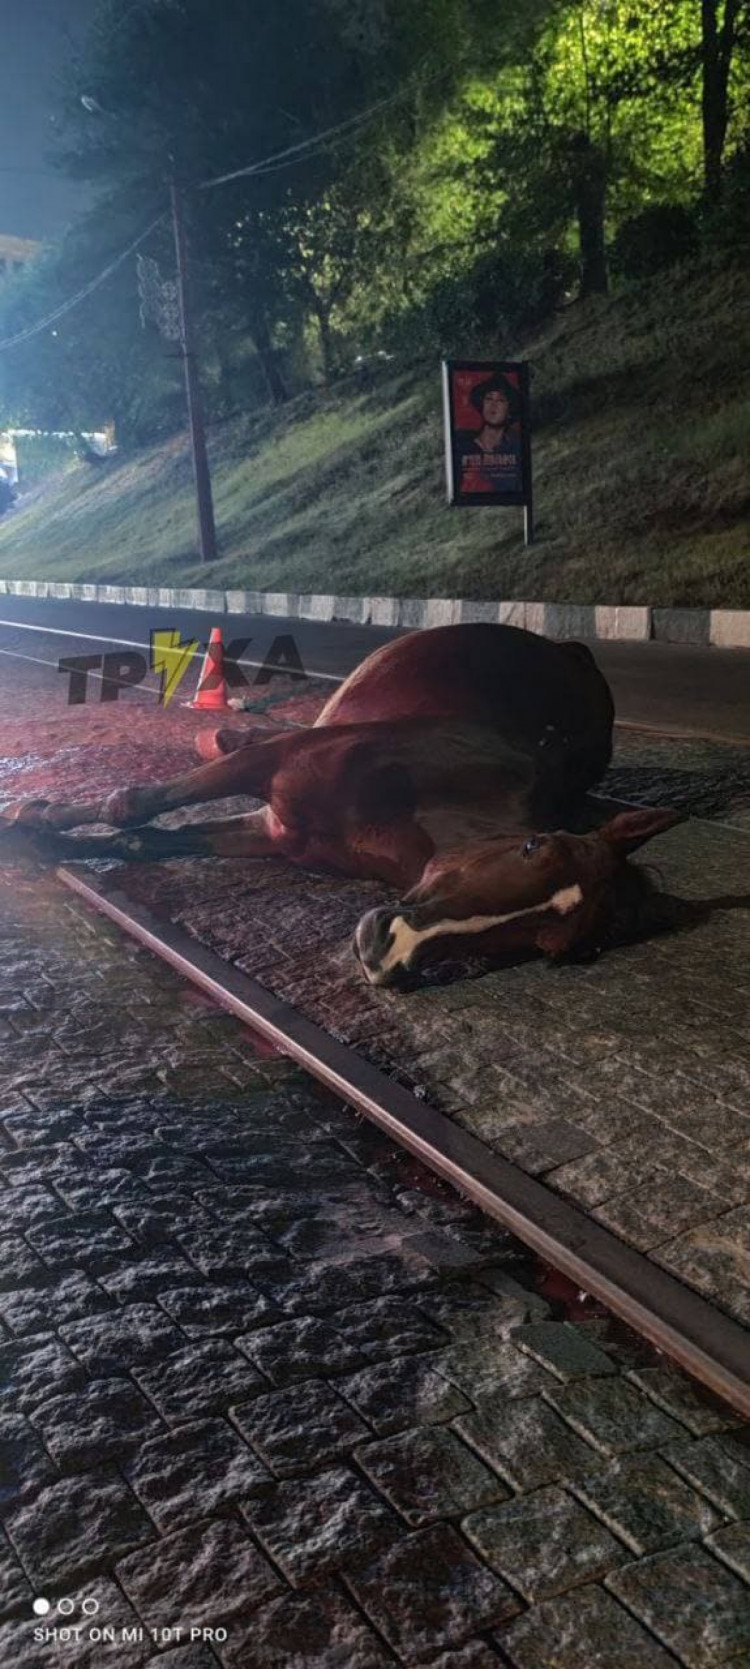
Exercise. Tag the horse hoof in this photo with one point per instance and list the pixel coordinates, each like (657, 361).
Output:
(216, 744)
(121, 807)
(26, 813)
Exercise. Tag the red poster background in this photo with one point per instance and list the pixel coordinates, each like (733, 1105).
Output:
(465, 415)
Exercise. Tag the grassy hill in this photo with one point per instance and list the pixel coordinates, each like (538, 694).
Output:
(641, 459)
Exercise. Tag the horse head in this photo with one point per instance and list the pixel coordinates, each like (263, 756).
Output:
(558, 893)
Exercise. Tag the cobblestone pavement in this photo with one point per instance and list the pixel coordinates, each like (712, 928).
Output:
(624, 1084)
(263, 1377)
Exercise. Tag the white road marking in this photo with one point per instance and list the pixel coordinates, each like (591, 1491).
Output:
(406, 938)
(129, 643)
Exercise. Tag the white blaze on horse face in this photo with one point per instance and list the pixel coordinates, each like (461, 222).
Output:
(406, 939)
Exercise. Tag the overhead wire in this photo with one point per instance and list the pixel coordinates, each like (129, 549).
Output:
(293, 154)
(81, 295)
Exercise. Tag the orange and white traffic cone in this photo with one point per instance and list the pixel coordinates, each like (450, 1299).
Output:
(211, 695)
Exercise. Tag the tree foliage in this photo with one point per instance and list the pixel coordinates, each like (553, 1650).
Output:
(506, 160)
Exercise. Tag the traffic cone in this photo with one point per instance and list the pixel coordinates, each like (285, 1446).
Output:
(211, 695)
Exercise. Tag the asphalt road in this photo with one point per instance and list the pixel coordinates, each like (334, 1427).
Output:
(660, 686)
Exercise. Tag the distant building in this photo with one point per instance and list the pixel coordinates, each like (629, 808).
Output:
(15, 252)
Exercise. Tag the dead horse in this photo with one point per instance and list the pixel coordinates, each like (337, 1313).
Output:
(441, 766)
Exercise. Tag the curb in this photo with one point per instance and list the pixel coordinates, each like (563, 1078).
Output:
(720, 628)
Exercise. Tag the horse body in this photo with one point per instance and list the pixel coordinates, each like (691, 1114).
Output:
(424, 770)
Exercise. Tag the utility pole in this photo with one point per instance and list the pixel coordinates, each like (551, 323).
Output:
(201, 470)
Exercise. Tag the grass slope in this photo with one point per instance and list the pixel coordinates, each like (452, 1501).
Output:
(641, 446)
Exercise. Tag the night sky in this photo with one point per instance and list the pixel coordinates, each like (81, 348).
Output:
(35, 38)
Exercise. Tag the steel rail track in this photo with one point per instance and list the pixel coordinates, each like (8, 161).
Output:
(705, 1341)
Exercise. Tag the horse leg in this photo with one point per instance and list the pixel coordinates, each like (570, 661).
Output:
(246, 770)
(250, 836)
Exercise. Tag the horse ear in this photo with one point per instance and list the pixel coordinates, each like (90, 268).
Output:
(631, 829)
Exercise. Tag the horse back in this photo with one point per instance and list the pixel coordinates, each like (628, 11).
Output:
(521, 684)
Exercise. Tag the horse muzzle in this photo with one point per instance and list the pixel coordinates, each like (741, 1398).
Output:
(383, 945)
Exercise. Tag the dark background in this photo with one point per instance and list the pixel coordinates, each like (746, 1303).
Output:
(36, 36)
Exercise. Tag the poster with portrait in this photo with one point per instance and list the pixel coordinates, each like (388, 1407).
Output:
(487, 443)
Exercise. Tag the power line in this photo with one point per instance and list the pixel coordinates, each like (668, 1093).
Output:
(270, 164)
(88, 289)
(295, 153)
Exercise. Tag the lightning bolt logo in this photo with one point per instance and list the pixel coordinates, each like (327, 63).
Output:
(171, 658)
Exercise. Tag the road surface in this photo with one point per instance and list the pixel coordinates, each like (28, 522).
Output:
(665, 687)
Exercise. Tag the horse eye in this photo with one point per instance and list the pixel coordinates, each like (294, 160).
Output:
(531, 846)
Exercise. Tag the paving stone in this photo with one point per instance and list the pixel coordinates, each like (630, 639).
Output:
(93, 1240)
(84, 1191)
(387, 1327)
(279, 1164)
(654, 1214)
(485, 1365)
(40, 1309)
(732, 1544)
(446, 1252)
(201, 1379)
(543, 1144)
(567, 1353)
(25, 1465)
(105, 1419)
(478, 1656)
(506, 1288)
(198, 1469)
(331, 1287)
(19, 1264)
(161, 1216)
(29, 1128)
(23, 1207)
(713, 1469)
(298, 1429)
(614, 1416)
(15, 1589)
(217, 1307)
(587, 1628)
(429, 1592)
(404, 1393)
(23, 1170)
(337, 1233)
(622, 1346)
(326, 1523)
(526, 1442)
(429, 1474)
(148, 1277)
(686, 1400)
(19, 1649)
(698, 1608)
(606, 1172)
(76, 1525)
(33, 1369)
(544, 1544)
(232, 1250)
(202, 1577)
(300, 1633)
(301, 1349)
(646, 1503)
(132, 1337)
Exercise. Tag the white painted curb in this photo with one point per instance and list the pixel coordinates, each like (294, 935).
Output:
(723, 628)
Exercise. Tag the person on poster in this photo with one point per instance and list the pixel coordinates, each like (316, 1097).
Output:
(489, 458)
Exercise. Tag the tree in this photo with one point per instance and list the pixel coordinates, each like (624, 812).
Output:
(181, 95)
(719, 21)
